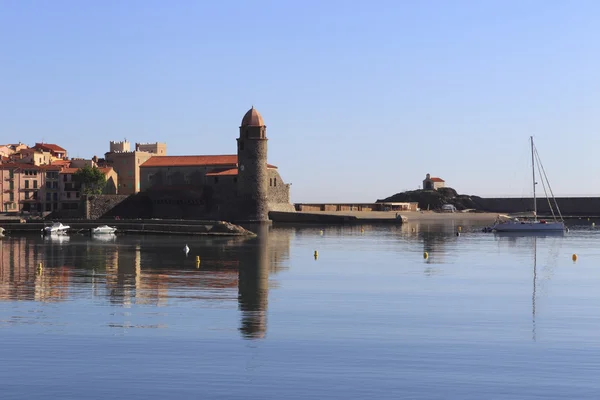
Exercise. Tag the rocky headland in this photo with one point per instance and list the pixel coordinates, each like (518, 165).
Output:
(435, 199)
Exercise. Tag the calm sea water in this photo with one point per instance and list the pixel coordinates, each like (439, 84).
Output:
(482, 317)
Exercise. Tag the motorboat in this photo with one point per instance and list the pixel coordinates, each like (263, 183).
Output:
(533, 224)
(104, 229)
(57, 228)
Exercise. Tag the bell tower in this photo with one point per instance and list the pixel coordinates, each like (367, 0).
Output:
(252, 184)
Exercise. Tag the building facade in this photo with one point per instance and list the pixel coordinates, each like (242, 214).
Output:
(126, 163)
(29, 188)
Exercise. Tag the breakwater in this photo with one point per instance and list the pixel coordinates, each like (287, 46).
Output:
(334, 218)
(169, 227)
(569, 206)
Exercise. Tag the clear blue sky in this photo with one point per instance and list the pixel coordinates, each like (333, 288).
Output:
(361, 99)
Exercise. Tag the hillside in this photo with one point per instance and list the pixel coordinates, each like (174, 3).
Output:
(434, 199)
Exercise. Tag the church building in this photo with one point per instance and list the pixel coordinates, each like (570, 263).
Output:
(241, 187)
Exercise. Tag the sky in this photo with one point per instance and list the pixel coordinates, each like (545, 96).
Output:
(360, 99)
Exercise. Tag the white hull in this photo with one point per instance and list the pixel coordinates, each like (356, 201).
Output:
(104, 230)
(529, 227)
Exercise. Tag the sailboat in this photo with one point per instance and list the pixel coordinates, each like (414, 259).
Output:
(534, 225)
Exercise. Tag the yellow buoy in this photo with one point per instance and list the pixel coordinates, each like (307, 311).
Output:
(574, 257)
(362, 230)
(40, 268)
(321, 232)
(316, 254)
(426, 255)
(197, 259)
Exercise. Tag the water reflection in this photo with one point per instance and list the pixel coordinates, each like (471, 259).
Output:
(253, 286)
(129, 271)
(529, 243)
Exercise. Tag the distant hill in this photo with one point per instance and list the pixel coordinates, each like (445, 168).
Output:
(434, 199)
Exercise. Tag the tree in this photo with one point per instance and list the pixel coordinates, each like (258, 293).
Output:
(91, 179)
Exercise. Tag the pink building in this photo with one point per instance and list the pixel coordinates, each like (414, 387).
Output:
(29, 188)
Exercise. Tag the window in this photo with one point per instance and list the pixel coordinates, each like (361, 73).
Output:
(11, 185)
(64, 177)
(35, 184)
(270, 181)
(241, 145)
(68, 195)
(26, 195)
(47, 196)
(11, 196)
(27, 184)
(274, 181)
(55, 197)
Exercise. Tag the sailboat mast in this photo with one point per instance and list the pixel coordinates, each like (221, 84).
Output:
(533, 174)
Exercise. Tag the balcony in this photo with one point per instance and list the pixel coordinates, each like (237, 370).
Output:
(10, 178)
(28, 189)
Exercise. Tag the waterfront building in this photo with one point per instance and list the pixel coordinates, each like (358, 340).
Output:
(126, 162)
(242, 186)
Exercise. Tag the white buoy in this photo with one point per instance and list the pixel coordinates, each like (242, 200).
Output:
(186, 249)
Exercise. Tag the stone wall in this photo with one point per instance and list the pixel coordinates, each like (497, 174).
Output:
(96, 206)
(278, 193)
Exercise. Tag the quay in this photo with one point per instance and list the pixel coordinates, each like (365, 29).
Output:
(164, 226)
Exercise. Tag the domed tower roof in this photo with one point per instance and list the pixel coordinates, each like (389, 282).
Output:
(253, 118)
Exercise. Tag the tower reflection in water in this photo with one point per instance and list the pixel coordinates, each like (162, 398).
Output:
(253, 285)
(135, 271)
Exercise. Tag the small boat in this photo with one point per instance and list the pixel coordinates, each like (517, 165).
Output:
(104, 229)
(57, 228)
(534, 224)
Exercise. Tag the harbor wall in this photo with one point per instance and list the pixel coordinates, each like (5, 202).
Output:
(170, 227)
(571, 206)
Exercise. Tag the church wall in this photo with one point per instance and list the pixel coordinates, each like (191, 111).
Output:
(278, 193)
(171, 176)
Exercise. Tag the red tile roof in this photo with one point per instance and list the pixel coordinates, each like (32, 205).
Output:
(190, 161)
(223, 172)
(51, 147)
(65, 163)
(26, 151)
(193, 161)
(437, 180)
